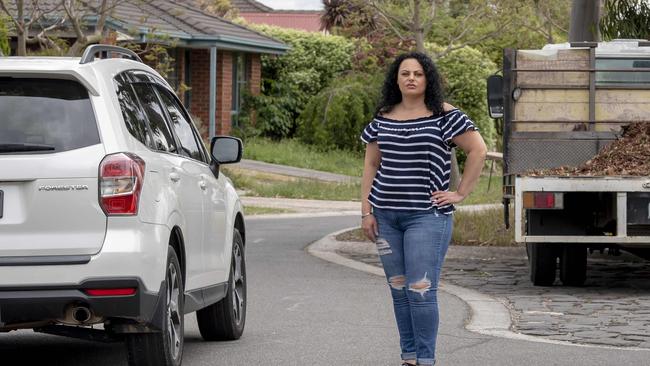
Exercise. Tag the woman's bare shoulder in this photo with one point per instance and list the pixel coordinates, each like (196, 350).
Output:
(389, 115)
(447, 107)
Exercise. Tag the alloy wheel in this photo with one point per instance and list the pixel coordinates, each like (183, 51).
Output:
(174, 317)
(238, 285)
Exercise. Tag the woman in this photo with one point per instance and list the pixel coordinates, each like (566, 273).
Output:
(406, 203)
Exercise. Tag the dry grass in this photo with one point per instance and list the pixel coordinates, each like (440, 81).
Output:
(261, 176)
(484, 228)
(259, 210)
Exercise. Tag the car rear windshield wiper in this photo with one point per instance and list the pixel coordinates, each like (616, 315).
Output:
(20, 147)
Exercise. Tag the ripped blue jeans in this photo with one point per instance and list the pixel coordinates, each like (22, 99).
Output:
(412, 246)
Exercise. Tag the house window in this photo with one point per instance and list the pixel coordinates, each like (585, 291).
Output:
(187, 97)
(173, 56)
(240, 76)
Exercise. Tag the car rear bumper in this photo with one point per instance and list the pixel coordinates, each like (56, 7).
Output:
(29, 307)
(131, 249)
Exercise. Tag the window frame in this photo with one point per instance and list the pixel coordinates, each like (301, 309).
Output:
(164, 116)
(128, 80)
(237, 84)
(199, 142)
(136, 76)
(621, 84)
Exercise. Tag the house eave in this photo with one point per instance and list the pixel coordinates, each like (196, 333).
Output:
(237, 44)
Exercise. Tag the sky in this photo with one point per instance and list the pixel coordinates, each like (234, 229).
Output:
(294, 4)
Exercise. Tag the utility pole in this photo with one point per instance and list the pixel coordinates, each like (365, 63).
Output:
(585, 15)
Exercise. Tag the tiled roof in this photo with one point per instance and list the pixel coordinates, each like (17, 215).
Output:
(181, 20)
(308, 21)
(250, 6)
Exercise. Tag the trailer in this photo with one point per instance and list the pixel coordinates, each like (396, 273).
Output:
(560, 106)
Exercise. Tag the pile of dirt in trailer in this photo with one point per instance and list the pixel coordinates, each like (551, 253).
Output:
(628, 155)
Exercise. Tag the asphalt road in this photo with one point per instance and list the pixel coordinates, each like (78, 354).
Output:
(304, 311)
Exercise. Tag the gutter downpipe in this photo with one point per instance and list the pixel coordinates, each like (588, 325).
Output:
(212, 110)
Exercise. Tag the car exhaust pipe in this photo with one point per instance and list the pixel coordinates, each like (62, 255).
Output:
(81, 314)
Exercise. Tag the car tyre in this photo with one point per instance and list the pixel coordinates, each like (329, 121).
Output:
(166, 347)
(542, 259)
(225, 319)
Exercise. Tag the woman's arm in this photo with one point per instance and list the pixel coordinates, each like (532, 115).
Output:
(370, 167)
(472, 143)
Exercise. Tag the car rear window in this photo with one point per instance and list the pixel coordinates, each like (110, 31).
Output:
(50, 112)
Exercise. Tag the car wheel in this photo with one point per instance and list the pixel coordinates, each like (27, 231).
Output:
(225, 319)
(542, 259)
(573, 265)
(164, 348)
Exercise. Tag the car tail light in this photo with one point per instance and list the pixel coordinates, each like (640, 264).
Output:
(543, 200)
(110, 292)
(120, 182)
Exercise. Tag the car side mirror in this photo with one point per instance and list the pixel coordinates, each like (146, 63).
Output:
(495, 96)
(226, 149)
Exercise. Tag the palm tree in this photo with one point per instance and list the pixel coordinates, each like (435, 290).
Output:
(335, 13)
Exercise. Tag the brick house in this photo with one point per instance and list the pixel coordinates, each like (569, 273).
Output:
(216, 58)
(257, 13)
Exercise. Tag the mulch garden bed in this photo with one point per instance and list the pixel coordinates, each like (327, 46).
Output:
(627, 156)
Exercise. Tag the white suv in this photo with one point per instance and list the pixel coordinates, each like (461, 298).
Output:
(112, 212)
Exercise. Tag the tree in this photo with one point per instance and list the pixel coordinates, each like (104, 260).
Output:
(456, 23)
(335, 14)
(76, 12)
(5, 50)
(547, 18)
(625, 19)
(221, 8)
(51, 16)
(532, 24)
(27, 14)
(350, 18)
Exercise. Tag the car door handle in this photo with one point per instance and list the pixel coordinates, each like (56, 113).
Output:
(203, 185)
(174, 177)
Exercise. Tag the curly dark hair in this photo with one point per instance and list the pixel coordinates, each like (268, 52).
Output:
(433, 95)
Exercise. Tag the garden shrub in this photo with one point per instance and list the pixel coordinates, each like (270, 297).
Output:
(464, 72)
(290, 80)
(336, 116)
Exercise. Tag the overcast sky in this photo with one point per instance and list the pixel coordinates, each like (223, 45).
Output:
(294, 4)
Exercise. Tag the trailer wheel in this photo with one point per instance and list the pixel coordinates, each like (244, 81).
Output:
(573, 265)
(542, 260)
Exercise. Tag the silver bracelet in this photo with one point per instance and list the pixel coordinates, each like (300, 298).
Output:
(363, 216)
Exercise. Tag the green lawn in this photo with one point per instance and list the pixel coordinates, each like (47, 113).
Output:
(294, 153)
(482, 195)
(269, 185)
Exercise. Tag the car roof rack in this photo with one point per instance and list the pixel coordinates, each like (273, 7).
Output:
(104, 49)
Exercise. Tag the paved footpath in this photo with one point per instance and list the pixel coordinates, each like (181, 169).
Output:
(613, 309)
(293, 171)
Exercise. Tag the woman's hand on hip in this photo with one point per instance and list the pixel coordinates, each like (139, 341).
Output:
(369, 226)
(442, 198)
